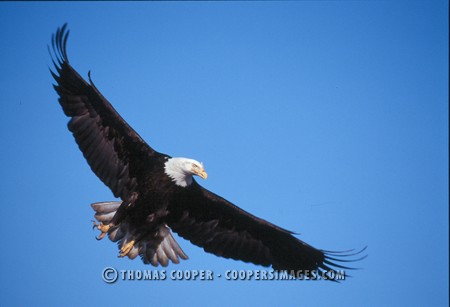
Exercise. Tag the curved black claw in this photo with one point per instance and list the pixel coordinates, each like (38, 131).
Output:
(94, 224)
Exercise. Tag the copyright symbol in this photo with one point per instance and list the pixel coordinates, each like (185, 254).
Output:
(109, 275)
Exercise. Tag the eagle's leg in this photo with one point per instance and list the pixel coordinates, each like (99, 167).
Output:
(116, 220)
(126, 248)
(118, 217)
(122, 212)
(103, 228)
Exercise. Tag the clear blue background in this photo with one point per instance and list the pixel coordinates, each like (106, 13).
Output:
(326, 118)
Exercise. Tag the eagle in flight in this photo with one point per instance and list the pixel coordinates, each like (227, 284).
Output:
(158, 193)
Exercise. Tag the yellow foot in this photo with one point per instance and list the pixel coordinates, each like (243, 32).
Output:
(126, 248)
(103, 228)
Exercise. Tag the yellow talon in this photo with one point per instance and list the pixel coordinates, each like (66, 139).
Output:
(103, 228)
(126, 248)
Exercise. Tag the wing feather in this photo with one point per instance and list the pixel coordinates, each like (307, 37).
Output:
(223, 229)
(113, 150)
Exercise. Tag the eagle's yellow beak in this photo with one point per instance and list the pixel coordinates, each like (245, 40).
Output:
(202, 174)
(199, 170)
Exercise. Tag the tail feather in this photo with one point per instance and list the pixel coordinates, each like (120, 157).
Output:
(167, 250)
(155, 248)
(118, 232)
(105, 210)
(106, 206)
(134, 252)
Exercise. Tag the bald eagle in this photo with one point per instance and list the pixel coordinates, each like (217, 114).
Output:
(158, 193)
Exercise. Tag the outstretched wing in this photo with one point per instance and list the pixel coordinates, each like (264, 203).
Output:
(113, 150)
(223, 229)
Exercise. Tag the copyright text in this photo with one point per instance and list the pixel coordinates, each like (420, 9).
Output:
(111, 275)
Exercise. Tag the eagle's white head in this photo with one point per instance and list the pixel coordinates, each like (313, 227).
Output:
(181, 170)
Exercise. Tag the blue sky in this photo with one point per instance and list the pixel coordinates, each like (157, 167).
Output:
(326, 118)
